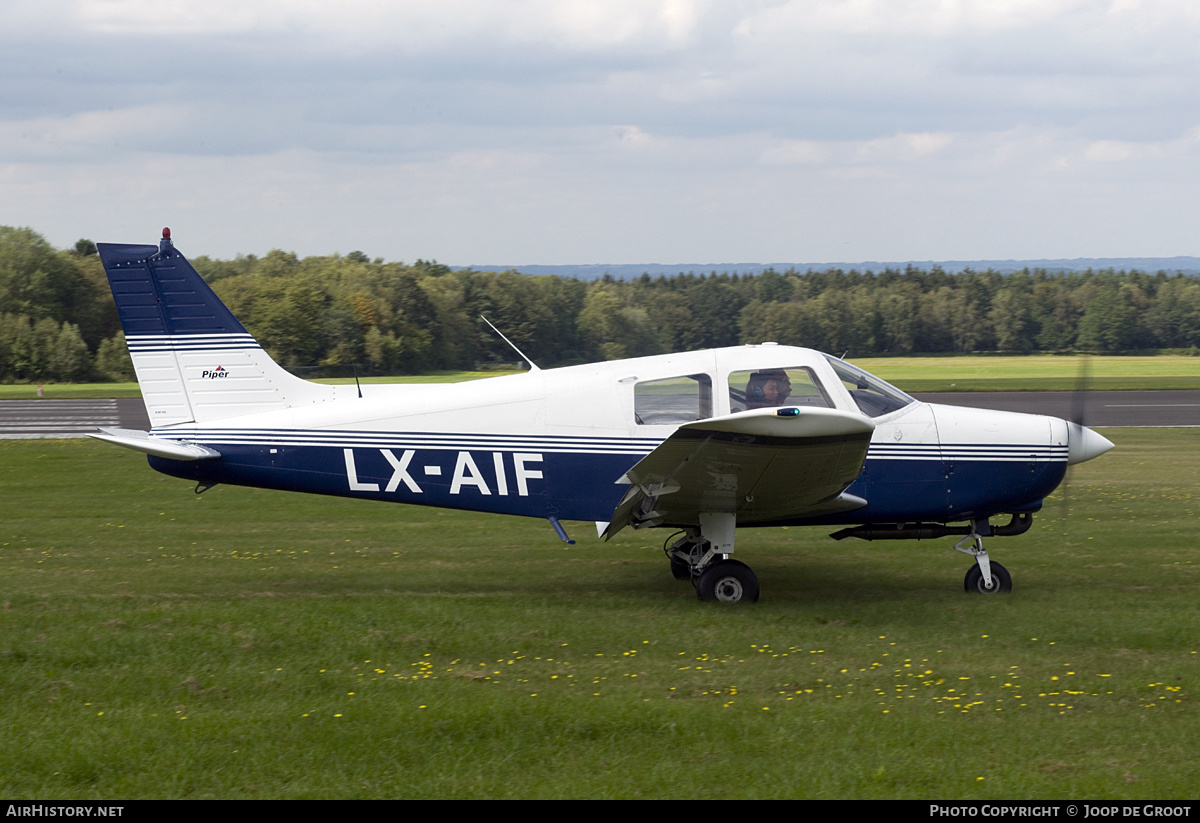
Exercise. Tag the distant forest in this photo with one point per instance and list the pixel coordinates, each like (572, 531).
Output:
(339, 314)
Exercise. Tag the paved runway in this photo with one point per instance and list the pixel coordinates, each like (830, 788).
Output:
(23, 419)
(75, 418)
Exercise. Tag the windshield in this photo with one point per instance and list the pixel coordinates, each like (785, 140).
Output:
(874, 397)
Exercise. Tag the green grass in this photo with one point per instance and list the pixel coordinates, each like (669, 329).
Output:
(1042, 372)
(254, 644)
(77, 391)
(69, 391)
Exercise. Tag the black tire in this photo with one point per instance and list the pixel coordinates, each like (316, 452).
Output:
(727, 581)
(1001, 580)
(680, 570)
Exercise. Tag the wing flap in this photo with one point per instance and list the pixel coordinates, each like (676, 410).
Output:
(762, 465)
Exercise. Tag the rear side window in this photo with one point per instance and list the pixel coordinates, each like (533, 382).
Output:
(673, 400)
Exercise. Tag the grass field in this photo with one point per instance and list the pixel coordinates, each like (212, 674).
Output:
(77, 391)
(255, 644)
(1035, 372)
(912, 374)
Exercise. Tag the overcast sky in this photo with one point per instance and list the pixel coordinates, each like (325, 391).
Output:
(607, 131)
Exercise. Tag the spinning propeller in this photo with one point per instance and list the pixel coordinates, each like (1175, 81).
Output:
(1082, 443)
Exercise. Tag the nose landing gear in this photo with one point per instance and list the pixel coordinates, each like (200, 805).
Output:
(1001, 580)
(985, 577)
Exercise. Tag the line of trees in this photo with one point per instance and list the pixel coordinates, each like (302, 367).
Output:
(332, 315)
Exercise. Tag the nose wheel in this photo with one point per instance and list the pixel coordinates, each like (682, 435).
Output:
(1001, 581)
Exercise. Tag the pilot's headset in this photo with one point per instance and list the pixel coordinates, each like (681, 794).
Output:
(754, 387)
(758, 379)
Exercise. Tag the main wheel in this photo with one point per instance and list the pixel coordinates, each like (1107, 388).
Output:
(1001, 580)
(680, 570)
(727, 581)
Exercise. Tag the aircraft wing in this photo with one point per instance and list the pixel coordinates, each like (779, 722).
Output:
(762, 465)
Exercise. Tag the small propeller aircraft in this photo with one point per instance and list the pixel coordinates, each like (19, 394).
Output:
(700, 442)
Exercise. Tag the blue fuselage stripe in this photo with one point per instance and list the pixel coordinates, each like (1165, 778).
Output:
(574, 478)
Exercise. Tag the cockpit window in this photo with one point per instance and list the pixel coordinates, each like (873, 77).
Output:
(673, 401)
(874, 397)
(775, 387)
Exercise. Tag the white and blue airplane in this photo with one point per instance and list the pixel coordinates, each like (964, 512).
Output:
(700, 442)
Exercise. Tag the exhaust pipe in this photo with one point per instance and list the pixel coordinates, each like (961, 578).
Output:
(1019, 524)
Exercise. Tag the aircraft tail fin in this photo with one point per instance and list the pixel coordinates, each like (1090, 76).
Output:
(195, 362)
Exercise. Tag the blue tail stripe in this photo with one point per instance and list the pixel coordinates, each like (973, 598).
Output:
(160, 293)
(136, 298)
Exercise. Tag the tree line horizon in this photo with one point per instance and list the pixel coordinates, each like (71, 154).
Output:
(344, 314)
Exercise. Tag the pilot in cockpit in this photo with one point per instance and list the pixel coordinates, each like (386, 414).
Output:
(766, 389)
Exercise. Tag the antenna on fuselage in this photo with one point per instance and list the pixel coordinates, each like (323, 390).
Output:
(532, 365)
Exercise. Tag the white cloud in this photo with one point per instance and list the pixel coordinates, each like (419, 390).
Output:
(423, 26)
(174, 17)
(619, 130)
(903, 147)
(1110, 151)
(894, 149)
(92, 133)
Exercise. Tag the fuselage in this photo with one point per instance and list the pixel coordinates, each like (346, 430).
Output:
(555, 443)
(702, 442)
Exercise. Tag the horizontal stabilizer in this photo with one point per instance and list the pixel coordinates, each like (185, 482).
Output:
(141, 441)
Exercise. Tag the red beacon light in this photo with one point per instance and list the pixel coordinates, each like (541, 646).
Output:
(166, 233)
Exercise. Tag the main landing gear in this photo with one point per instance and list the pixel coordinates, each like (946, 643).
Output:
(706, 562)
(727, 581)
